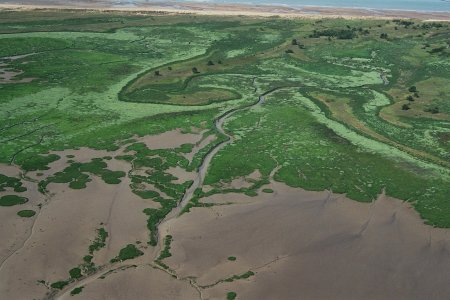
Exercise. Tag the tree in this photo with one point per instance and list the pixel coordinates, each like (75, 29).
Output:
(383, 36)
(157, 73)
(195, 70)
(412, 89)
(405, 107)
(410, 98)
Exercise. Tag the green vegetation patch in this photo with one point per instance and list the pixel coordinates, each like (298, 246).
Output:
(38, 162)
(165, 252)
(59, 284)
(75, 273)
(76, 176)
(76, 291)
(11, 182)
(218, 65)
(11, 200)
(27, 213)
(231, 295)
(99, 242)
(129, 252)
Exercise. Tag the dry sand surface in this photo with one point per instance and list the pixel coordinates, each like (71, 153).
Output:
(199, 7)
(312, 245)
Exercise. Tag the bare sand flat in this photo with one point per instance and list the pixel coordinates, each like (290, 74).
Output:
(181, 174)
(169, 139)
(64, 229)
(200, 145)
(63, 232)
(312, 245)
(140, 283)
(14, 230)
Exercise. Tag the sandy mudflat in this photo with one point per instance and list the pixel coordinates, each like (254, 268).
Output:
(312, 245)
(169, 139)
(229, 9)
(65, 227)
(299, 244)
(14, 230)
(140, 283)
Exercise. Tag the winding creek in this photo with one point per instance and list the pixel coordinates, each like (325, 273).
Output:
(218, 123)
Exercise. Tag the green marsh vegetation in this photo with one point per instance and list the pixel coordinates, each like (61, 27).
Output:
(128, 252)
(99, 241)
(27, 213)
(231, 295)
(11, 182)
(75, 174)
(333, 121)
(165, 252)
(11, 200)
(76, 291)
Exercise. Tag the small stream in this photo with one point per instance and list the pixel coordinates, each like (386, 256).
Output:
(198, 181)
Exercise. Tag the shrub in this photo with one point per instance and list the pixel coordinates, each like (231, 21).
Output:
(412, 89)
(76, 290)
(75, 273)
(59, 284)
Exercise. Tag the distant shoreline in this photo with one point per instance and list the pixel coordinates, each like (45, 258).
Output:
(201, 8)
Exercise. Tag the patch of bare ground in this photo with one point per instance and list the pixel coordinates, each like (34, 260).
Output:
(313, 245)
(14, 230)
(200, 145)
(228, 198)
(169, 139)
(243, 181)
(7, 74)
(181, 174)
(141, 282)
